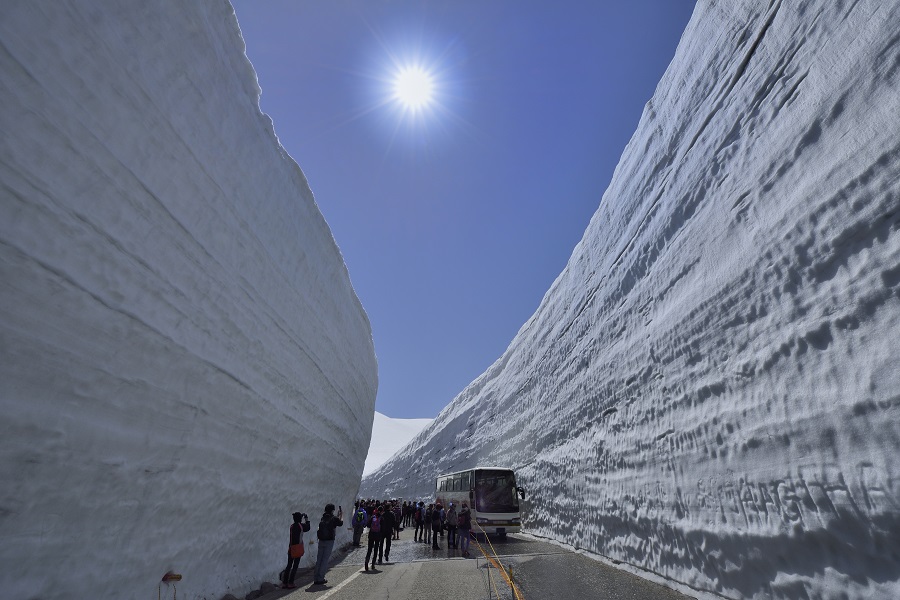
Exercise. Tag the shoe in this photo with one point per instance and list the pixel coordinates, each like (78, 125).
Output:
(367, 567)
(379, 561)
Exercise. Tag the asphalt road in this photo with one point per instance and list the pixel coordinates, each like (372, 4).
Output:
(539, 570)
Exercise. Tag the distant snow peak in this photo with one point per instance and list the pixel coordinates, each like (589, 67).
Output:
(709, 389)
(388, 436)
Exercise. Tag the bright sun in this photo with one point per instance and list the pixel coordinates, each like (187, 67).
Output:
(413, 88)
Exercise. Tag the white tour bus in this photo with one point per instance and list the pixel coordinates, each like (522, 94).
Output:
(492, 494)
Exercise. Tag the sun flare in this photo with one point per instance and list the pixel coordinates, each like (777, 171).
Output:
(413, 88)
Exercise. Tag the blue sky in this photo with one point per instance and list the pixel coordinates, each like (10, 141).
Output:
(455, 218)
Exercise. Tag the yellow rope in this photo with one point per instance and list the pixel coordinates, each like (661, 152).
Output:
(495, 560)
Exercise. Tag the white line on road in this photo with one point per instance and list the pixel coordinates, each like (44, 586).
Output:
(338, 586)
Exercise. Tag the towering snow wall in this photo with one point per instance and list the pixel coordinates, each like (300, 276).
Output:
(183, 360)
(710, 391)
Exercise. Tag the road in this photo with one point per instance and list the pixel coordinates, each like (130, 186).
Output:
(539, 570)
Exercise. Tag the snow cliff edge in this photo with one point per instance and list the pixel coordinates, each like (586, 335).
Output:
(709, 390)
(184, 360)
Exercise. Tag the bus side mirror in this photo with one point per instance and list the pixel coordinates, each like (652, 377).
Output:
(521, 491)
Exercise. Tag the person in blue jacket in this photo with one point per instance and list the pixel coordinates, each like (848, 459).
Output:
(359, 520)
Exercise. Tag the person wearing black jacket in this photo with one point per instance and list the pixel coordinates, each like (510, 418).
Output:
(388, 524)
(326, 535)
(419, 517)
(375, 537)
(437, 525)
(427, 527)
(297, 529)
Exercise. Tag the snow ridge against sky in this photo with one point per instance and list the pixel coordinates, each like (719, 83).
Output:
(388, 436)
(183, 360)
(709, 391)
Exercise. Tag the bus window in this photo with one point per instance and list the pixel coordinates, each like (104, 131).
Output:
(495, 491)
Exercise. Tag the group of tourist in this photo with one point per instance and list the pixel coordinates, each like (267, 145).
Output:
(430, 522)
(433, 520)
(384, 520)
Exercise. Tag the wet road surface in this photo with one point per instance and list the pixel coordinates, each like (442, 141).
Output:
(415, 571)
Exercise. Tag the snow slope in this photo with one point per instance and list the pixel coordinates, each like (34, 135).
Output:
(709, 390)
(388, 436)
(183, 360)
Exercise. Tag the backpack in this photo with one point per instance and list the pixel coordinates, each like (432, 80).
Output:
(462, 520)
(419, 515)
(360, 517)
(375, 524)
(323, 532)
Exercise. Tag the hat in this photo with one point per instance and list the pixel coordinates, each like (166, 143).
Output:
(329, 507)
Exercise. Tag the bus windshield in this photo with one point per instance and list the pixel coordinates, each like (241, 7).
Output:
(495, 492)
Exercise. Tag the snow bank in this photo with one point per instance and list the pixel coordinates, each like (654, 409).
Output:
(709, 390)
(183, 360)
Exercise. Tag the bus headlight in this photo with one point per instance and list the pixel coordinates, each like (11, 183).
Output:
(481, 521)
(516, 521)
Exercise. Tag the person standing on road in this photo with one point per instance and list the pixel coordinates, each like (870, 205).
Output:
(436, 525)
(452, 524)
(428, 515)
(375, 526)
(294, 547)
(419, 519)
(388, 524)
(327, 526)
(398, 520)
(464, 522)
(360, 518)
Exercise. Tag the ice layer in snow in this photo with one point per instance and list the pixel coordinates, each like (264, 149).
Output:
(710, 390)
(388, 436)
(183, 360)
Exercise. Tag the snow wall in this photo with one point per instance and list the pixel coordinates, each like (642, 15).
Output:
(710, 390)
(183, 360)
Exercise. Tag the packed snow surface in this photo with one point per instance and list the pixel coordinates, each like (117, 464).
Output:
(388, 436)
(710, 390)
(183, 360)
